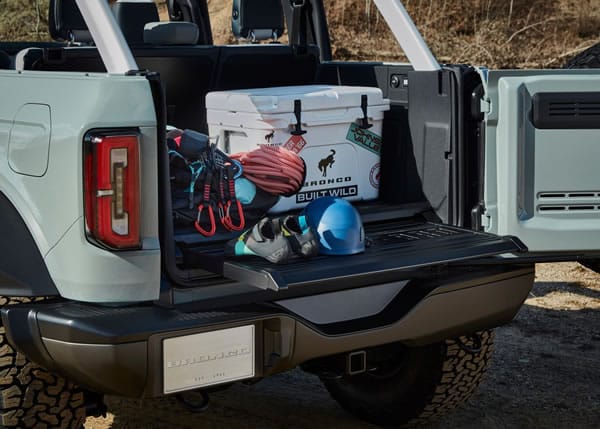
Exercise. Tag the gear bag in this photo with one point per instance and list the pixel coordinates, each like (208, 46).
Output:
(207, 188)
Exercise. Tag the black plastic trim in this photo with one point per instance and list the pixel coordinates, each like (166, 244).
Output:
(84, 323)
(27, 337)
(13, 48)
(566, 110)
(166, 232)
(75, 322)
(444, 140)
(23, 271)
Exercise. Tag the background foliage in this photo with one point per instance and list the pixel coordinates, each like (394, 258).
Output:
(24, 20)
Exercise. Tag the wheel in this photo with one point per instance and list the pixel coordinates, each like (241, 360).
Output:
(588, 59)
(32, 397)
(412, 385)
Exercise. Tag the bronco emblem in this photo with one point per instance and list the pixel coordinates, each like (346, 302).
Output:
(326, 163)
(270, 136)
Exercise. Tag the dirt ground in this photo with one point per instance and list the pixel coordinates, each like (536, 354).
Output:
(545, 374)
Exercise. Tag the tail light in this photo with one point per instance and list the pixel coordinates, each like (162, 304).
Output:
(112, 189)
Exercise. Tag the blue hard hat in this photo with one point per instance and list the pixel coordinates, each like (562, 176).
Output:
(338, 225)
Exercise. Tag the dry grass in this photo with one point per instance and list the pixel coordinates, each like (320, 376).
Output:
(23, 20)
(500, 34)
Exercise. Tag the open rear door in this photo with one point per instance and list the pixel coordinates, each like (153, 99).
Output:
(542, 160)
(395, 251)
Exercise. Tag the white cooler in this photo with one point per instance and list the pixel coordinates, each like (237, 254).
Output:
(335, 129)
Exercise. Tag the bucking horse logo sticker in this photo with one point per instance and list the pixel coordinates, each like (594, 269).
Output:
(326, 163)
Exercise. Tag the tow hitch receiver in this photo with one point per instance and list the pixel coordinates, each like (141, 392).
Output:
(339, 366)
(356, 362)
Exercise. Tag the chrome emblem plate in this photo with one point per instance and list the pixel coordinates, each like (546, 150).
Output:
(200, 360)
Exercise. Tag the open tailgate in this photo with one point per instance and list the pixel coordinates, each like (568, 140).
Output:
(394, 250)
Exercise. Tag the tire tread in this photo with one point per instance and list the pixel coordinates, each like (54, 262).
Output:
(31, 396)
(588, 59)
(451, 379)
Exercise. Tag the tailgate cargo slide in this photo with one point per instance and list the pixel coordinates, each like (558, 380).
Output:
(394, 250)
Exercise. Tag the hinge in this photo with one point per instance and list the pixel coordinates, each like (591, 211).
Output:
(485, 221)
(477, 215)
(485, 106)
(144, 72)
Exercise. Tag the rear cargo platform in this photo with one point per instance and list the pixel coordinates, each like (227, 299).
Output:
(393, 248)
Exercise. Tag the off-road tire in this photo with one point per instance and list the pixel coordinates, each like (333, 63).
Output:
(588, 59)
(592, 264)
(428, 382)
(31, 396)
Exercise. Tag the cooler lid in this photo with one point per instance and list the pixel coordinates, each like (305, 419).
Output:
(281, 99)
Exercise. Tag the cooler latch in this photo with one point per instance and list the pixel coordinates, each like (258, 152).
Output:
(364, 103)
(298, 131)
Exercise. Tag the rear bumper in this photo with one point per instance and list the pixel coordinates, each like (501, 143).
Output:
(120, 350)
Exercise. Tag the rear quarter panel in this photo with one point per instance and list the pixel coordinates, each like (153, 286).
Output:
(50, 199)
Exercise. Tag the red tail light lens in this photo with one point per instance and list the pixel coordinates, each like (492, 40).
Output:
(112, 189)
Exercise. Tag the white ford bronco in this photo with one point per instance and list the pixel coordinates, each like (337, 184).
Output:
(482, 174)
